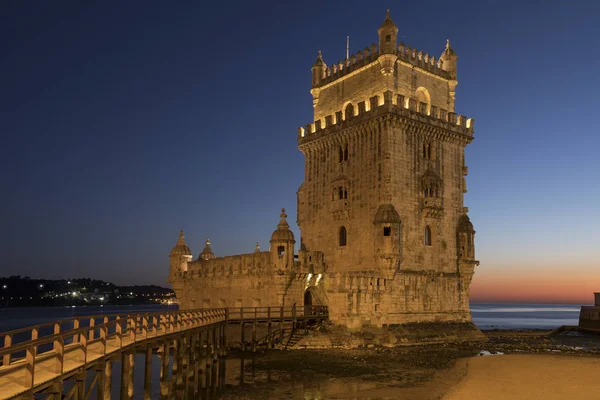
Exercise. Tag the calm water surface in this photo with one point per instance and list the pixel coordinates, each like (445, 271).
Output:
(282, 385)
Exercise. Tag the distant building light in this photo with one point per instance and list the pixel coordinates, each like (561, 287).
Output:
(4, 286)
(41, 285)
(69, 282)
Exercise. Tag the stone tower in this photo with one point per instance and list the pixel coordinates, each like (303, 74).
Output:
(385, 236)
(383, 187)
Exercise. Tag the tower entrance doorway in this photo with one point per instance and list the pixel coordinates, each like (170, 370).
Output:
(308, 298)
(308, 302)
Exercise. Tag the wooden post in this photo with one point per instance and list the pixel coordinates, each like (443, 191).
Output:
(182, 376)
(164, 371)
(148, 374)
(214, 369)
(92, 331)
(208, 363)
(30, 355)
(99, 375)
(127, 366)
(80, 384)
(201, 363)
(269, 333)
(75, 326)
(254, 336)
(59, 348)
(294, 318)
(176, 367)
(280, 327)
(7, 344)
(107, 383)
(243, 339)
(190, 382)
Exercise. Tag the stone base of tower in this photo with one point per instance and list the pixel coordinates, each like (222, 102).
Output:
(364, 299)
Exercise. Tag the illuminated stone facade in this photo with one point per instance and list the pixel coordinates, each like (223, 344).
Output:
(385, 236)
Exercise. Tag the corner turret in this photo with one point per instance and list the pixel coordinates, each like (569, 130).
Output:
(449, 59)
(282, 245)
(318, 70)
(388, 38)
(180, 256)
(207, 253)
(388, 35)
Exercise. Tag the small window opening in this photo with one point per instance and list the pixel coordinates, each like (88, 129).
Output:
(341, 153)
(340, 193)
(387, 231)
(388, 38)
(342, 238)
(349, 113)
(427, 236)
(280, 250)
(346, 153)
(427, 151)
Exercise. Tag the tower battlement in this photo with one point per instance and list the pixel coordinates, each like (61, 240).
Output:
(387, 103)
(360, 59)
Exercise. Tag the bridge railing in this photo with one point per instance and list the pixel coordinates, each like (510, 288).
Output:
(277, 313)
(66, 345)
(123, 328)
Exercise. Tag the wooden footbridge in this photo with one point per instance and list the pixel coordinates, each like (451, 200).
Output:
(73, 358)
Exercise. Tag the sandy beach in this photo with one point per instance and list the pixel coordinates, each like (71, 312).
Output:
(526, 377)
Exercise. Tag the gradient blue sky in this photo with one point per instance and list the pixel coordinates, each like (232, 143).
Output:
(123, 122)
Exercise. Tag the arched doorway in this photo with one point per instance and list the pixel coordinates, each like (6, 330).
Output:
(308, 300)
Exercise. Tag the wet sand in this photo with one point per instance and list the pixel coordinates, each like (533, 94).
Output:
(535, 365)
(527, 377)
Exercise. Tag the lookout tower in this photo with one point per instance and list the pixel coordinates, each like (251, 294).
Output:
(384, 181)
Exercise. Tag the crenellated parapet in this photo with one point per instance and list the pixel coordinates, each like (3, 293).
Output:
(352, 63)
(387, 103)
(230, 267)
(360, 59)
(424, 61)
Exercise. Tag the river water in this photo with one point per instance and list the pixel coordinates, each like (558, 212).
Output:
(244, 380)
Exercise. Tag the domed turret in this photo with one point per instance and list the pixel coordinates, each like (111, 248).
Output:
(283, 232)
(318, 70)
(181, 249)
(388, 37)
(207, 253)
(180, 256)
(282, 245)
(449, 59)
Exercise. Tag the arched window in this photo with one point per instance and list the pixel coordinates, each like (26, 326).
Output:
(342, 239)
(345, 194)
(341, 154)
(422, 96)
(427, 236)
(349, 113)
(340, 193)
(346, 153)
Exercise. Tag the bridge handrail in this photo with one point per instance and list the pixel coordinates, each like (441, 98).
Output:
(125, 324)
(144, 323)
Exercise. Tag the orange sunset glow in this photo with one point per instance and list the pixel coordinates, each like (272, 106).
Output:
(535, 284)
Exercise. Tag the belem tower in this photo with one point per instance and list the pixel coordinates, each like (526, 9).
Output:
(385, 236)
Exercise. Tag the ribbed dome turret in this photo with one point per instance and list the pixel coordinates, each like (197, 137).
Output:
(207, 253)
(181, 249)
(283, 232)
